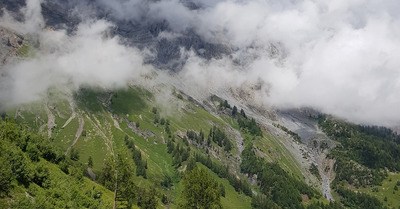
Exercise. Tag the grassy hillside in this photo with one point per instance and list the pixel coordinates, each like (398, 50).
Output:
(33, 175)
(386, 192)
(156, 137)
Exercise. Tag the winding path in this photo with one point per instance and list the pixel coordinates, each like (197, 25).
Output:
(77, 134)
(73, 115)
(50, 120)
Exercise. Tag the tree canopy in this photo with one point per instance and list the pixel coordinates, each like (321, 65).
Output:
(200, 190)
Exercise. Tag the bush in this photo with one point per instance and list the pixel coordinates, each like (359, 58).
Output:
(6, 176)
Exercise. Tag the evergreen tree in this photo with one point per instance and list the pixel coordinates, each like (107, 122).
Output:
(226, 104)
(200, 190)
(170, 146)
(90, 162)
(167, 181)
(234, 110)
(222, 189)
(261, 201)
(168, 131)
(6, 176)
(126, 184)
(154, 110)
(243, 113)
(74, 154)
(146, 199)
(108, 173)
(191, 164)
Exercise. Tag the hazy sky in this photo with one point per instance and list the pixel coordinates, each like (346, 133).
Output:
(341, 57)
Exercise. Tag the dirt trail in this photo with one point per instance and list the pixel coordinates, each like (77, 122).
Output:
(91, 174)
(19, 114)
(116, 124)
(73, 115)
(50, 120)
(69, 119)
(239, 142)
(97, 125)
(77, 134)
(327, 178)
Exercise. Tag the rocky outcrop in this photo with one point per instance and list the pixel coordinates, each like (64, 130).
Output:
(317, 144)
(166, 53)
(10, 42)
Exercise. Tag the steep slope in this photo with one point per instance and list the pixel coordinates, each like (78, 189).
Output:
(33, 175)
(318, 145)
(96, 123)
(146, 134)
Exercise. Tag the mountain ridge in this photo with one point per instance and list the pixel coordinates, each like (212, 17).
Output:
(170, 121)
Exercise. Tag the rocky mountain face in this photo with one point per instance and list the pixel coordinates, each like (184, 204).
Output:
(317, 144)
(319, 150)
(11, 42)
(166, 53)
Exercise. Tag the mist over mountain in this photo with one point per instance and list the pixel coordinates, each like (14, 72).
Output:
(340, 57)
(199, 104)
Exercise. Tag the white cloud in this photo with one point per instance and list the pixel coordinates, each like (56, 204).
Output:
(342, 57)
(89, 56)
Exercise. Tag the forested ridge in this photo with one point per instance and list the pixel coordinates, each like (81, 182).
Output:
(363, 157)
(157, 161)
(374, 148)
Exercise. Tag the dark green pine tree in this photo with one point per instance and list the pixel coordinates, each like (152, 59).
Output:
(200, 190)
